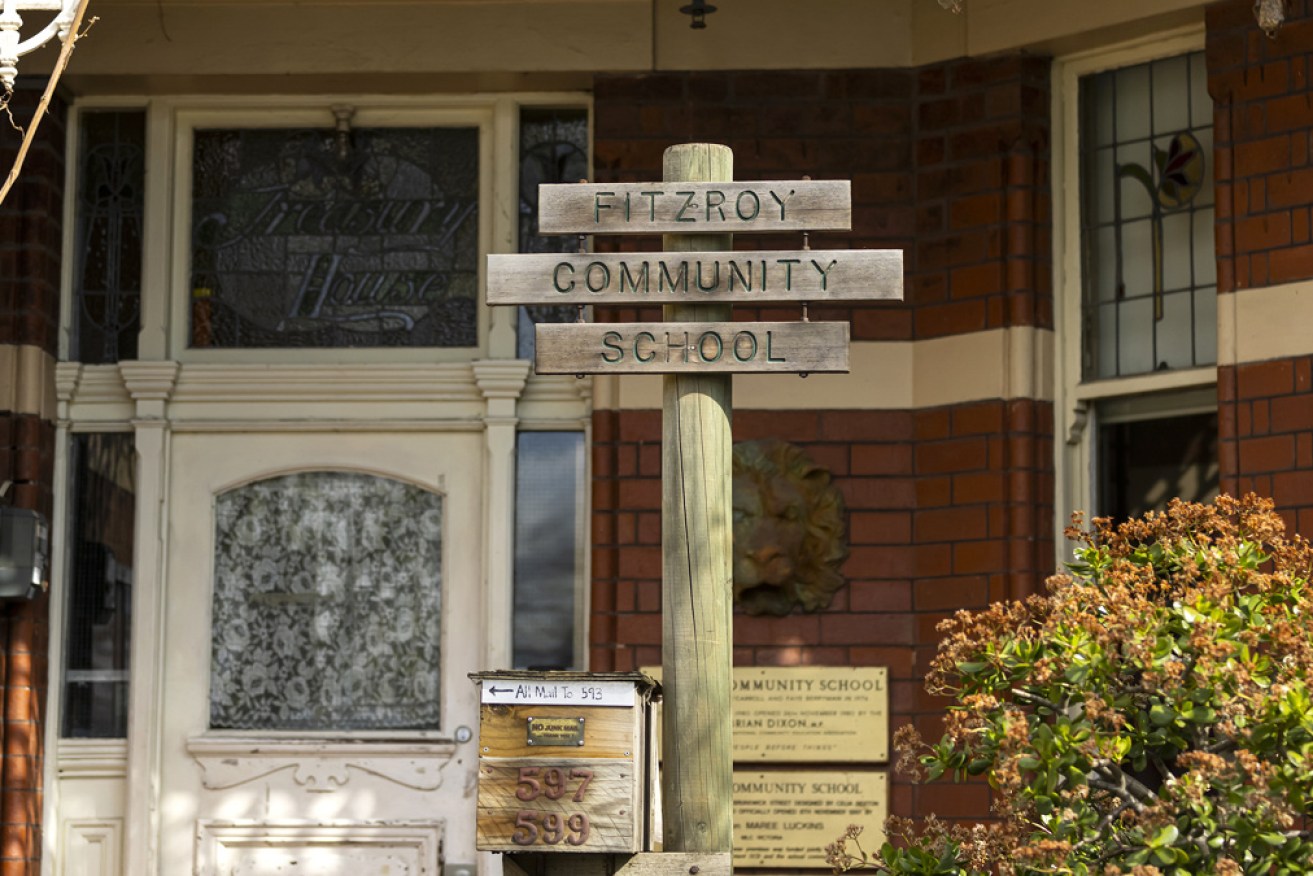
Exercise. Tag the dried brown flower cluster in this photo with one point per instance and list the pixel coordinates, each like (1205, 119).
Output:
(1150, 714)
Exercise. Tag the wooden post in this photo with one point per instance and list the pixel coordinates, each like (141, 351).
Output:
(696, 559)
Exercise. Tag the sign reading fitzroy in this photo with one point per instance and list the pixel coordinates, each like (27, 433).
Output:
(694, 208)
(694, 277)
(786, 819)
(671, 348)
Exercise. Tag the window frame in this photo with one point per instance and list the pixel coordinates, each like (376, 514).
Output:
(1076, 399)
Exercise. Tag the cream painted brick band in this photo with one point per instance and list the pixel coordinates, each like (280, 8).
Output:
(1254, 325)
(885, 375)
(27, 381)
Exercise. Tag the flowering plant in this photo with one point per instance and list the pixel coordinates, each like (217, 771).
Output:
(1150, 714)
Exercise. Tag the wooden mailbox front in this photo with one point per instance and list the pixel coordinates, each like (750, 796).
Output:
(564, 761)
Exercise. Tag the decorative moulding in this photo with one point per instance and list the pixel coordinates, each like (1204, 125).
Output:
(501, 378)
(407, 848)
(92, 758)
(320, 767)
(333, 383)
(149, 381)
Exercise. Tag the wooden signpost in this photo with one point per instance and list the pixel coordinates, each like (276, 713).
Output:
(697, 207)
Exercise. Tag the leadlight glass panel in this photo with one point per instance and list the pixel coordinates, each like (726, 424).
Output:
(98, 625)
(1150, 287)
(308, 238)
(108, 235)
(326, 608)
(553, 149)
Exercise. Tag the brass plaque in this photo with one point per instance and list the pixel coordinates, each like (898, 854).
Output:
(541, 732)
(786, 819)
(809, 713)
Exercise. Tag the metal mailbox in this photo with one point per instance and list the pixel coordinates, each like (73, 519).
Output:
(565, 761)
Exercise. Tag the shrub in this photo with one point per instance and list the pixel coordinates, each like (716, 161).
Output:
(1149, 714)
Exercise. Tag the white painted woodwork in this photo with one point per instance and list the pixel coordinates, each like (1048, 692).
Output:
(691, 347)
(636, 279)
(267, 783)
(686, 207)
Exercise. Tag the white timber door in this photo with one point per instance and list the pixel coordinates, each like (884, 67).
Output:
(321, 615)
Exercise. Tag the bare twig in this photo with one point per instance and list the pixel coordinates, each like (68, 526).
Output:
(65, 51)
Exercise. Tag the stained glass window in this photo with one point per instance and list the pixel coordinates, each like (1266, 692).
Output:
(1150, 289)
(553, 149)
(326, 607)
(108, 247)
(308, 238)
(98, 624)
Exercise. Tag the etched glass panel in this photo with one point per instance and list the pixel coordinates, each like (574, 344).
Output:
(98, 626)
(327, 593)
(1146, 218)
(311, 238)
(553, 149)
(108, 247)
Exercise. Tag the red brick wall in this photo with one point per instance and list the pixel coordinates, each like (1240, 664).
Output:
(30, 239)
(1264, 173)
(946, 507)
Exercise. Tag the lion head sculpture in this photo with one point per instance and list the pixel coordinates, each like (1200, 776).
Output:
(788, 530)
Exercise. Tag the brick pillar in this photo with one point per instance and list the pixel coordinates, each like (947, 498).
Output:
(1263, 117)
(30, 241)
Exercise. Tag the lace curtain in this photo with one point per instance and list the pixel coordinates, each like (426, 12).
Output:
(327, 594)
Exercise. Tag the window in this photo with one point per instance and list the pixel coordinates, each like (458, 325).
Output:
(553, 149)
(326, 606)
(549, 520)
(108, 237)
(1138, 294)
(335, 238)
(99, 604)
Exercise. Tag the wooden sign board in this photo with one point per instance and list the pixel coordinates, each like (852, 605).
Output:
(696, 277)
(673, 348)
(694, 207)
(786, 819)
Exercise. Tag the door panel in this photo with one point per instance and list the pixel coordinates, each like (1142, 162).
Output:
(337, 800)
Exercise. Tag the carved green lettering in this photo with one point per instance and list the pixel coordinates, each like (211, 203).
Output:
(651, 204)
(719, 199)
(824, 271)
(777, 200)
(598, 206)
(626, 277)
(754, 203)
(675, 281)
(715, 278)
(769, 357)
(608, 344)
(638, 355)
(735, 271)
(738, 346)
(599, 269)
(788, 272)
(682, 346)
(556, 277)
(688, 202)
(702, 347)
